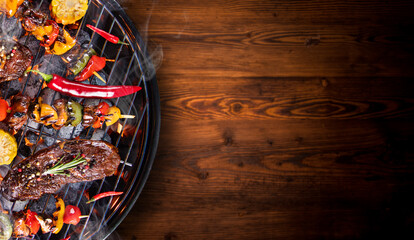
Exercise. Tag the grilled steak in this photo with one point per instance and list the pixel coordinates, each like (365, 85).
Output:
(14, 60)
(29, 179)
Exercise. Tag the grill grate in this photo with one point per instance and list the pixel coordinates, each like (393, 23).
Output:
(138, 137)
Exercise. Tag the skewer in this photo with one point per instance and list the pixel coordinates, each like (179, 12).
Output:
(99, 76)
(127, 116)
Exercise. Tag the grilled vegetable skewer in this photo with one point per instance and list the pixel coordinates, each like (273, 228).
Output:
(61, 113)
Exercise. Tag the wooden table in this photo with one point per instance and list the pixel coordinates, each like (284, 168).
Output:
(280, 120)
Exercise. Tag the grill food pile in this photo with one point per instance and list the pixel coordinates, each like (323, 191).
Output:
(59, 118)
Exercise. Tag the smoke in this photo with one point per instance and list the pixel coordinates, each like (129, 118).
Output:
(155, 53)
(9, 28)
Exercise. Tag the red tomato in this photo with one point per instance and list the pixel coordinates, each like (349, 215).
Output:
(72, 214)
(4, 106)
(32, 222)
(102, 108)
(100, 111)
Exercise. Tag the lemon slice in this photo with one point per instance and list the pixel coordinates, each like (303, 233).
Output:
(8, 147)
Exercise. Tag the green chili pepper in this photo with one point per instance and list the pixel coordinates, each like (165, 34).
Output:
(75, 110)
(81, 63)
(6, 228)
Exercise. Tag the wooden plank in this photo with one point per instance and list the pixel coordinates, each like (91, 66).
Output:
(320, 38)
(221, 181)
(286, 98)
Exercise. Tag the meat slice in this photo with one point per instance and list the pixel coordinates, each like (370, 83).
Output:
(29, 179)
(14, 60)
(18, 114)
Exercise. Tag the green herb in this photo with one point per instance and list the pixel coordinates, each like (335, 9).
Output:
(60, 168)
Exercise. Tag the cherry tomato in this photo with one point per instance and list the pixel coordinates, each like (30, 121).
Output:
(102, 108)
(72, 215)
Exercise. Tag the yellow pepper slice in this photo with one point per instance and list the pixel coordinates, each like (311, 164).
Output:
(58, 215)
(45, 114)
(60, 48)
(40, 32)
(113, 115)
(11, 6)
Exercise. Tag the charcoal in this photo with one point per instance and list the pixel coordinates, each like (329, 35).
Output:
(96, 81)
(84, 39)
(48, 96)
(48, 136)
(69, 132)
(46, 202)
(31, 42)
(15, 205)
(33, 124)
(99, 134)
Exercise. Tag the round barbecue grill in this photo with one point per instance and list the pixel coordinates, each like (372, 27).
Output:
(135, 138)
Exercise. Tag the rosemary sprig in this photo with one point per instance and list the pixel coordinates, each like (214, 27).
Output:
(60, 168)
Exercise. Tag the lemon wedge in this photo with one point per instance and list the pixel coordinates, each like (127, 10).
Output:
(8, 147)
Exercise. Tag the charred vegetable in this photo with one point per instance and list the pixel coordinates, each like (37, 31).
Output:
(58, 215)
(113, 115)
(68, 11)
(11, 6)
(44, 113)
(62, 110)
(31, 222)
(18, 115)
(62, 44)
(6, 227)
(95, 64)
(81, 63)
(46, 224)
(75, 111)
(47, 34)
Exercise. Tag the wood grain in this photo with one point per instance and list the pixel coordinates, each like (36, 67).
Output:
(280, 120)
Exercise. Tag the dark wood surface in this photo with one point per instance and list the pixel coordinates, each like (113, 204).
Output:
(280, 120)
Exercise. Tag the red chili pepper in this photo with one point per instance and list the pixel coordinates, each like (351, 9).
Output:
(102, 195)
(66, 238)
(95, 64)
(76, 89)
(72, 215)
(50, 39)
(111, 38)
